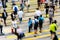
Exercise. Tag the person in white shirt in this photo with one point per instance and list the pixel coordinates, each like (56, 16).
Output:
(35, 22)
(37, 13)
(20, 33)
(15, 8)
(14, 24)
(20, 15)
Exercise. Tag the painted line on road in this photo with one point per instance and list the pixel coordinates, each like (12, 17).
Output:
(38, 37)
(32, 33)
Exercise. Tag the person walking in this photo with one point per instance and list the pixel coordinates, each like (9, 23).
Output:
(41, 20)
(37, 13)
(20, 15)
(15, 8)
(47, 8)
(53, 7)
(35, 22)
(53, 29)
(13, 16)
(1, 27)
(20, 33)
(50, 15)
(39, 3)
(4, 4)
(4, 16)
(22, 4)
(26, 3)
(14, 25)
(30, 25)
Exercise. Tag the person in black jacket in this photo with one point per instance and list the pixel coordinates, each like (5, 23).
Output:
(13, 16)
(47, 8)
(4, 16)
(4, 3)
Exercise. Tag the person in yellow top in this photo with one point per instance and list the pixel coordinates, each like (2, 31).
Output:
(53, 28)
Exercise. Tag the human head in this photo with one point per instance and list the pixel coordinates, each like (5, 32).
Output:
(35, 17)
(29, 18)
(55, 21)
(40, 15)
(37, 8)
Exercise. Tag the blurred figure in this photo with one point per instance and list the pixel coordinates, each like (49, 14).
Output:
(53, 7)
(56, 1)
(1, 27)
(4, 16)
(35, 22)
(22, 4)
(47, 8)
(30, 25)
(27, 5)
(14, 25)
(52, 2)
(39, 3)
(20, 15)
(20, 33)
(4, 4)
(53, 29)
(15, 8)
(37, 13)
(50, 14)
(41, 20)
(13, 16)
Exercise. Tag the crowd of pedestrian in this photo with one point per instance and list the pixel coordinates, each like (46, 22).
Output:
(35, 23)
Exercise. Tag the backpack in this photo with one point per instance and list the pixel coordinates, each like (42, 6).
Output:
(36, 23)
(40, 20)
(15, 9)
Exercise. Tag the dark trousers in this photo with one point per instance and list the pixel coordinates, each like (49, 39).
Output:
(55, 38)
(20, 36)
(1, 28)
(50, 20)
(5, 21)
(53, 13)
(46, 12)
(40, 26)
(30, 28)
(20, 19)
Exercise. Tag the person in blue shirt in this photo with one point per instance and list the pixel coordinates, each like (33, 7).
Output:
(41, 19)
(30, 24)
